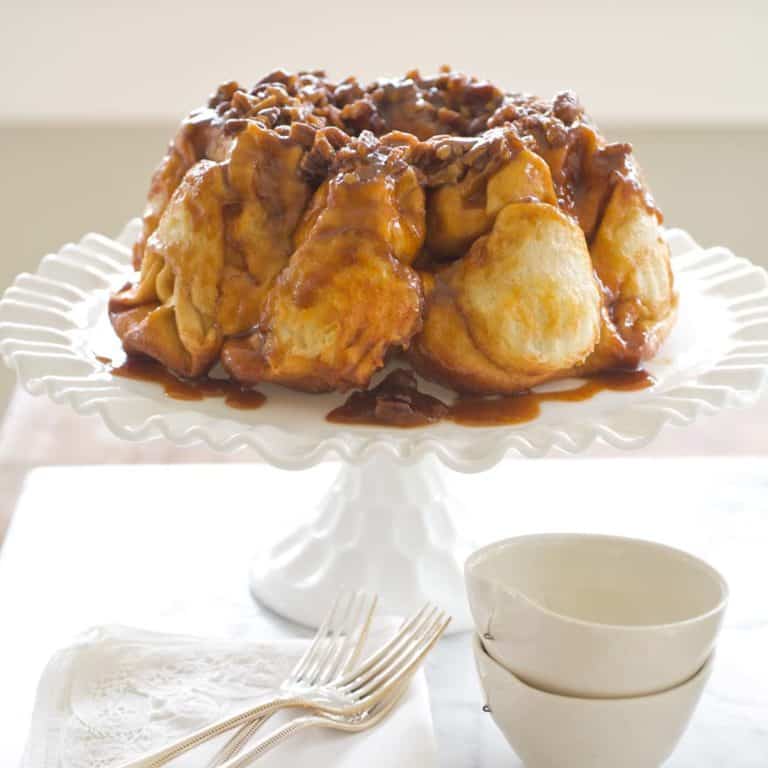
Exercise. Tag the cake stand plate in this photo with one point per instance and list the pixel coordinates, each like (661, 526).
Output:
(387, 523)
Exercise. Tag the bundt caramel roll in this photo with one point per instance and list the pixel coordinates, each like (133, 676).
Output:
(293, 229)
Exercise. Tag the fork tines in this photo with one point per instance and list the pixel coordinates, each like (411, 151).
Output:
(398, 659)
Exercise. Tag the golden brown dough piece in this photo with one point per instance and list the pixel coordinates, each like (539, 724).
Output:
(632, 261)
(221, 240)
(348, 295)
(522, 307)
(601, 185)
(200, 136)
(457, 214)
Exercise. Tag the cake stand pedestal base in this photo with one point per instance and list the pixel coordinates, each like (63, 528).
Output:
(382, 528)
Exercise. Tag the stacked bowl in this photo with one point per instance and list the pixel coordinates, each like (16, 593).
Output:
(593, 651)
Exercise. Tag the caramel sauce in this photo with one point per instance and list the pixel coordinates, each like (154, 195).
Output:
(144, 369)
(517, 409)
(396, 402)
(244, 399)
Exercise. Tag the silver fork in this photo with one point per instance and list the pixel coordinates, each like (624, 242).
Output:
(350, 724)
(335, 647)
(373, 688)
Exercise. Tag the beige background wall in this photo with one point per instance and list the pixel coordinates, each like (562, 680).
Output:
(639, 61)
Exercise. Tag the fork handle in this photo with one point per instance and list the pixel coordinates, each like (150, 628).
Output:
(271, 741)
(237, 742)
(162, 756)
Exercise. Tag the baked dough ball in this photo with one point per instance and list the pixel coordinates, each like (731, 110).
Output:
(198, 138)
(631, 260)
(521, 307)
(222, 238)
(457, 214)
(391, 208)
(347, 296)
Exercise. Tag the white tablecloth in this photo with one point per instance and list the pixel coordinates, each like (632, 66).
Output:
(91, 545)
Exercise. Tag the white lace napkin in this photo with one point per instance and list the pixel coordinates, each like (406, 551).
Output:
(119, 692)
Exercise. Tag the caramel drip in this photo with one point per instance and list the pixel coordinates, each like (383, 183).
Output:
(396, 402)
(144, 369)
(518, 409)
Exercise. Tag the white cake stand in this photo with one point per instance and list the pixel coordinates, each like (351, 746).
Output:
(387, 522)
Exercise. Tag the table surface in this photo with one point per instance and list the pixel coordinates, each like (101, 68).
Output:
(168, 548)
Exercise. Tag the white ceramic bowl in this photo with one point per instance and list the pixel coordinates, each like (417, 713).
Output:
(551, 731)
(595, 616)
